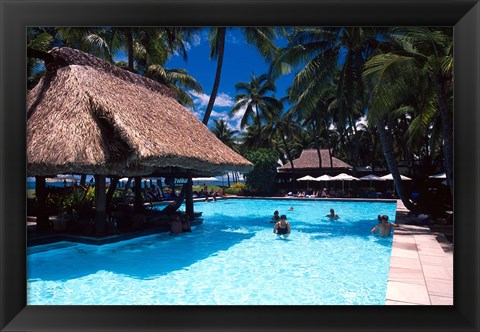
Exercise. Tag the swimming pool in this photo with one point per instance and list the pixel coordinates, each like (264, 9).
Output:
(232, 259)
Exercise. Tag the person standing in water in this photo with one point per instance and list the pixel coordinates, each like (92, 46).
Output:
(384, 228)
(282, 227)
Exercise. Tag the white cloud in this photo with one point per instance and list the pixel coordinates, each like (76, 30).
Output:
(195, 40)
(222, 99)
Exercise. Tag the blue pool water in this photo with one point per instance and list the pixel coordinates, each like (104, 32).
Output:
(232, 259)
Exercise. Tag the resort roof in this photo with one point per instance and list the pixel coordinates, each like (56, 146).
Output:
(86, 116)
(309, 160)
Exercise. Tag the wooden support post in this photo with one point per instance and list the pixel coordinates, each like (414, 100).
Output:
(189, 198)
(100, 205)
(42, 213)
(138, 204)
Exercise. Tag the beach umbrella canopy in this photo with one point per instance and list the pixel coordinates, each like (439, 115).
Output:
(371, 177)
(438, 176)
(344, 177)
(307, 178)
(390, 177)
(324, 177)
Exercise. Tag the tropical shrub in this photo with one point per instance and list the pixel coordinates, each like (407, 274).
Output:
(236, 189)
(262, 178)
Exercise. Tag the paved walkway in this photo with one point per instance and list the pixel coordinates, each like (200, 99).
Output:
(421, 266)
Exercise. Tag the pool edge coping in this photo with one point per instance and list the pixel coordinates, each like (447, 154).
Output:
(421, 265)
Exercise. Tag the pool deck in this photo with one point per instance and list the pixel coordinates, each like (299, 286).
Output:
(421, 265)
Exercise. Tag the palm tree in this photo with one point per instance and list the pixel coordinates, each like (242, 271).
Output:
(253, 138)
(283, 131)
(260, 37)
(226, 135)
(330, 56)
(398, 76)
(253, 97)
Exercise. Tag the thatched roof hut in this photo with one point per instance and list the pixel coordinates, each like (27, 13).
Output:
(308, 162)
(86, 116)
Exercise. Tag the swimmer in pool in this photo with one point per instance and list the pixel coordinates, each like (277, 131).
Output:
(384, 227)
(332, 215)
(282, 227)
(275, 217)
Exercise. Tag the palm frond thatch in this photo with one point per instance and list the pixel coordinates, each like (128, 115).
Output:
(89, 117)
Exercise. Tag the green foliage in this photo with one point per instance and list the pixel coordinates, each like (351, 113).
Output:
(262, 177)
(70, 200)
(236, 189)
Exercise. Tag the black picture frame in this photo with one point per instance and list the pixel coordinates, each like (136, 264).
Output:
(17, 15)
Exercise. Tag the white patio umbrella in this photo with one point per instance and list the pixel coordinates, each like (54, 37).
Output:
(324, 177)
(371, 177)
(390, 177)
(307, 178)
(344, 177)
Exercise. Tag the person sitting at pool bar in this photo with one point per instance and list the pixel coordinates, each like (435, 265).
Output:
(384, 227)
(324, 193)
(275, 217)
(332, 215)
(176, 226)
(282, 227)
(185, 219)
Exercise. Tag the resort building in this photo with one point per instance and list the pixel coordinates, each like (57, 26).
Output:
(309, 163)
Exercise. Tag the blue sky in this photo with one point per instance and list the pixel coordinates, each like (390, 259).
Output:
(240, 60)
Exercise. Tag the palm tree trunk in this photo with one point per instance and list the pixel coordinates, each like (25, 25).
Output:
(356, 147)
(317, 145)
(83, 180)
(228, 179)
(331, 157)
(216, 83)
(290, 159)
(175, 205)
(447, 131)
(387, 147)
(129, 36)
